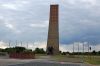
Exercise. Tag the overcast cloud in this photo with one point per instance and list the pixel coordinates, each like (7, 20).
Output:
(27, 20)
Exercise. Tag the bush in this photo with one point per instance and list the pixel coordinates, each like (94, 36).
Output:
(39, 51)
(15, 49)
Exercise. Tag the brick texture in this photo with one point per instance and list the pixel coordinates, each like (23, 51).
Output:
(53, 32)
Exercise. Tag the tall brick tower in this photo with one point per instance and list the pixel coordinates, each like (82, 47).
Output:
(53, 32)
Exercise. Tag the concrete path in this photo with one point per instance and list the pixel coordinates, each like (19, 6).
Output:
(5, 62)
(46, 64)
(35, 62)
(43, 61)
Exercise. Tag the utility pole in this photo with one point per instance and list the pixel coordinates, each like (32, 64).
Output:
(83, 51)
(9, 43)
(73, 48)
(21, 43)
(83, 48)
(78, 48)
(88, 47)
(90, 52)
(16, 43)
(33, 44)
(27, 45)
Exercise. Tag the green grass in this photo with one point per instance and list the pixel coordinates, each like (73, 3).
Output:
(95, 60)
(65, 58)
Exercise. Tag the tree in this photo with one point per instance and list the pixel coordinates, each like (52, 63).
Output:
(9, 50)
(15, 49)
(98, 52)
(19, 49)
(1, 50)
(39, 51)
(94, 52)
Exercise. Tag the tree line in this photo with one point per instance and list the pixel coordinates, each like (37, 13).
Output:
(19, 49)
(81, 53)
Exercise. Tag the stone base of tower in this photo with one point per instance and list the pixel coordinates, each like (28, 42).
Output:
(52, 51)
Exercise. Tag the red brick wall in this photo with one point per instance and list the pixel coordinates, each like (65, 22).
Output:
(22, 55)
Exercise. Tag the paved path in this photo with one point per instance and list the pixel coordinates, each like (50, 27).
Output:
(45, 64)
(44, 61)
(35, 62)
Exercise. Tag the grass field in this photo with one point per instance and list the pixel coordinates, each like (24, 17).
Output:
(92, 60)
(71, 58)
(95, 60)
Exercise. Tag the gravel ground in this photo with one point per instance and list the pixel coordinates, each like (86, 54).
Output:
(5, 62)
(45, 64)
(44, 61)
(35, 62)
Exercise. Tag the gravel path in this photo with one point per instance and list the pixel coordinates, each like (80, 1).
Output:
(34, 62)
(43, 61)
(45, 64)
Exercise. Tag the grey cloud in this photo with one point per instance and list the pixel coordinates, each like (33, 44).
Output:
(79, 20)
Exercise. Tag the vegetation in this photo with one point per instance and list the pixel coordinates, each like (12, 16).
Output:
(81, 53)
(39, 51)
(88, 57)
(15, 49)
(18, 49)
(92, 60)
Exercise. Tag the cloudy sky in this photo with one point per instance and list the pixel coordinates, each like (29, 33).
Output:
(27, 21)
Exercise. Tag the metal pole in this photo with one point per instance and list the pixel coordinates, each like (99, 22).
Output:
(90, 52)
(83, 48)
(27, 45)
(16, 43)
(83, 51)
(73, 48)
(33, 44)
(88, 49)
(21, 43)
(78, 48)
(9, 43)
